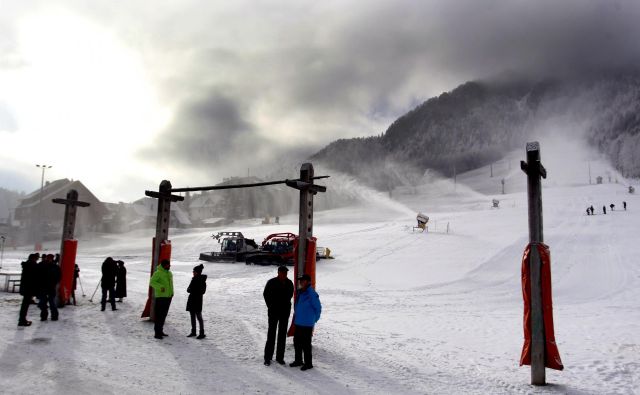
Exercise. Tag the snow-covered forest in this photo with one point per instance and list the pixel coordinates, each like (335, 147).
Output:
(474, 124)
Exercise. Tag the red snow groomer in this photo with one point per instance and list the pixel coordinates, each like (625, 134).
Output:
(276, 249)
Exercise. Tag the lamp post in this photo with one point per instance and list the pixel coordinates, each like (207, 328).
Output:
(1, 250)
(38, 231)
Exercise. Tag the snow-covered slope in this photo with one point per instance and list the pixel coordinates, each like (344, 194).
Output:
(403, 312)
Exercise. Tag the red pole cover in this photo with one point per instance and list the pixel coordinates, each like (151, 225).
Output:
(67, 266)
(551, 355)
(309, 268)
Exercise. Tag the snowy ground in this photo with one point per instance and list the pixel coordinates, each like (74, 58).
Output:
(403, 312)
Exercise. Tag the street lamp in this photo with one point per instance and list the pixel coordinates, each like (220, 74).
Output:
(38, 232)
(1, 251)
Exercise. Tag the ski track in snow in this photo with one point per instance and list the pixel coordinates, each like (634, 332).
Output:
(403, 312)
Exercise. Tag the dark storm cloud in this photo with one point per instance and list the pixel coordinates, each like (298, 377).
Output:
(205, 129)
(343, 69)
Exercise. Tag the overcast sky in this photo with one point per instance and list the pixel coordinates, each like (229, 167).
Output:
(124, 94)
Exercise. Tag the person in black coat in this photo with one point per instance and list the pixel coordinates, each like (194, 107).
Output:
(28, 287)
(277, 295)
(48, 278)
(108, 283)
(196, 289)
(121, 281)
(76, 275)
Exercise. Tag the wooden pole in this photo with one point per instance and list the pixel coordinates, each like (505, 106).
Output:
(71, 204)
(534, 170)
(305, 227)
(165, 198)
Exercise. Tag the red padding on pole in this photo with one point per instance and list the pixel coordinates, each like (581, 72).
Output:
(165, 253)
(309, 268)
(552, 355)
(67, 266)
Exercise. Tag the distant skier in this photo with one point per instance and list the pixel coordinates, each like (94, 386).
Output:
(612, 206)
(624, 204)
(588, 212)
(121, 281)
(592, 210)
(604, 209)
(196, 290)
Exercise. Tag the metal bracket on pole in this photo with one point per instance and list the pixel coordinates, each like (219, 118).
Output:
(534, 170)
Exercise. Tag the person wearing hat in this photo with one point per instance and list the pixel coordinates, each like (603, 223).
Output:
(196, 289)
(108, 283)
(307, 313)
(121, 281)
(162, 284)
(277, 295)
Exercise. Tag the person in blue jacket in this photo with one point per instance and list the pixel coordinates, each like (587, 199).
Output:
(307, 313)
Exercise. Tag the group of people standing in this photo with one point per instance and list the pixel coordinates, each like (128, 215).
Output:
(39, 279)
(591, 210)
(162, 284)
(307, 309)
(277, 295)
(113, 283)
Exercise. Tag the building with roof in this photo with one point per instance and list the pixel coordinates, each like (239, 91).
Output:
(37, 210)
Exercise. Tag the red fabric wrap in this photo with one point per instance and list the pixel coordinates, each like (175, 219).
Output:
(309, 268)
(67, 267)
(551, 355)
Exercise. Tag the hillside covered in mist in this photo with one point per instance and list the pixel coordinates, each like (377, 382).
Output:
(479, 122)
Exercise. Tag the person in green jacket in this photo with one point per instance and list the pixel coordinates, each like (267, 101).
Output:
(162, 284)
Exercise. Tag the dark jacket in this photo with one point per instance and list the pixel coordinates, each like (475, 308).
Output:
(48, 277)
(109, 268)
(29, 279)
(277, 295)
(76, 274)
(121, 282)
(196, 289)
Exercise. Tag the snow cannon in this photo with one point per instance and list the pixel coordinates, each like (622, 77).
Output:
(422, 222)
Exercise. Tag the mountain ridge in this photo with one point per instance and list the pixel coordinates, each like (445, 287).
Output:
(480, 121)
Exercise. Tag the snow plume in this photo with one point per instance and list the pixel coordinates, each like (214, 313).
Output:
(344, 190)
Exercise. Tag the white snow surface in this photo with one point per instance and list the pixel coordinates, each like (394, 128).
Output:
(403, 312)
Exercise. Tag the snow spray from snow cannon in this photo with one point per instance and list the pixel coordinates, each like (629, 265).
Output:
(539, 349)
(68, 246)
(161, 246)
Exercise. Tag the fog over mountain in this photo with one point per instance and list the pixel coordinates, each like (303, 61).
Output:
(480, 121)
